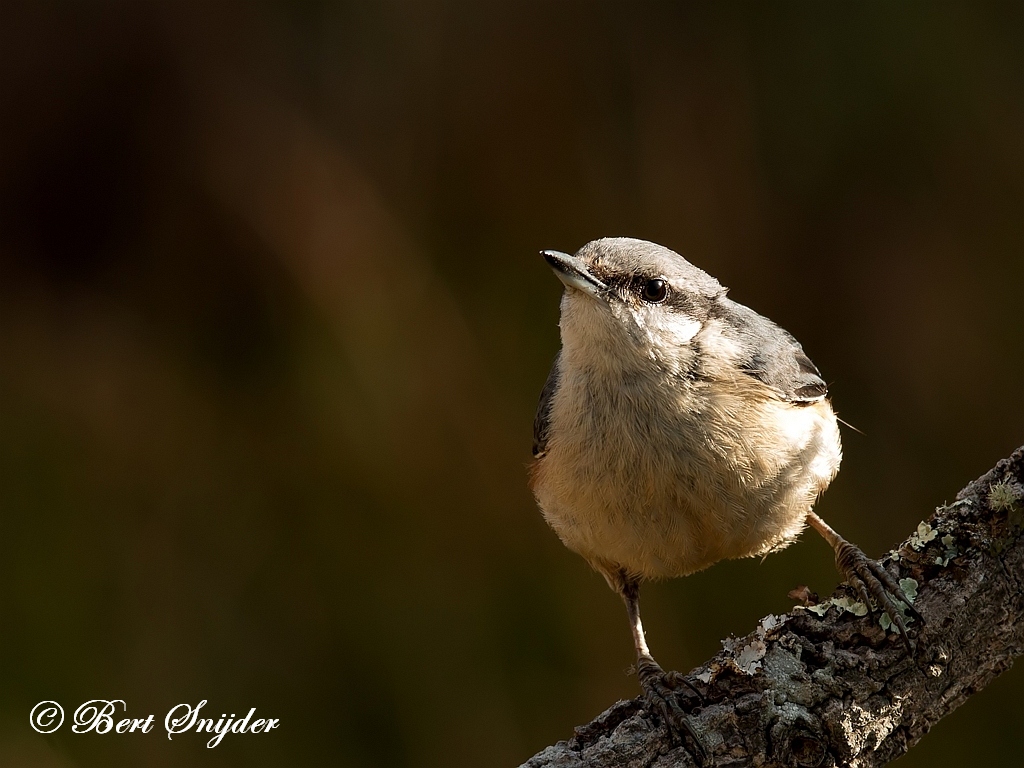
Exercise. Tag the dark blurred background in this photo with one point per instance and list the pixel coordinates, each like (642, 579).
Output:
(273, 326)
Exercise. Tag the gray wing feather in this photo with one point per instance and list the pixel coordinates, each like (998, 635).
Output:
(774, 357)
(540, 421)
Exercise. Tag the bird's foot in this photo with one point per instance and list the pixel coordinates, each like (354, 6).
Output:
(661, 689)
(871, 580)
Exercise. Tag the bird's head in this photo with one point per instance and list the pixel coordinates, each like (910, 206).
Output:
(629, 300)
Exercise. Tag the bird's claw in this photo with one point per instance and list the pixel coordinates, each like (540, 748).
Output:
(871, 580)
(661, 690)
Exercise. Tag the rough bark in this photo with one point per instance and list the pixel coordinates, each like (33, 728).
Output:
(837, 689)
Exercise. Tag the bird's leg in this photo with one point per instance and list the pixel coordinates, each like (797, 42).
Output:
(659, 686)
(868, 577)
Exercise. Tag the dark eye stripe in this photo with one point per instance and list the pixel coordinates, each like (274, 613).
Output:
(632, 287)
(651, 290)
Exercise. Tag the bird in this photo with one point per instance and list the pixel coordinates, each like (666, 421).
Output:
(678, 428)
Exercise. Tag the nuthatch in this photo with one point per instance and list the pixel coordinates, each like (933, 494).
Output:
(678, 428)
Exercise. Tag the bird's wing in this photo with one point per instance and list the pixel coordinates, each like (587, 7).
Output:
(540, 421)
(774, 357)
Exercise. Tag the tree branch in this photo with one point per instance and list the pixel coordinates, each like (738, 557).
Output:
(837, 689)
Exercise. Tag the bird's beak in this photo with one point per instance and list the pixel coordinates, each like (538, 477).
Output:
(574, 273)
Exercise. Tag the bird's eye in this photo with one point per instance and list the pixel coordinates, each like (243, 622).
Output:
(654, 290)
